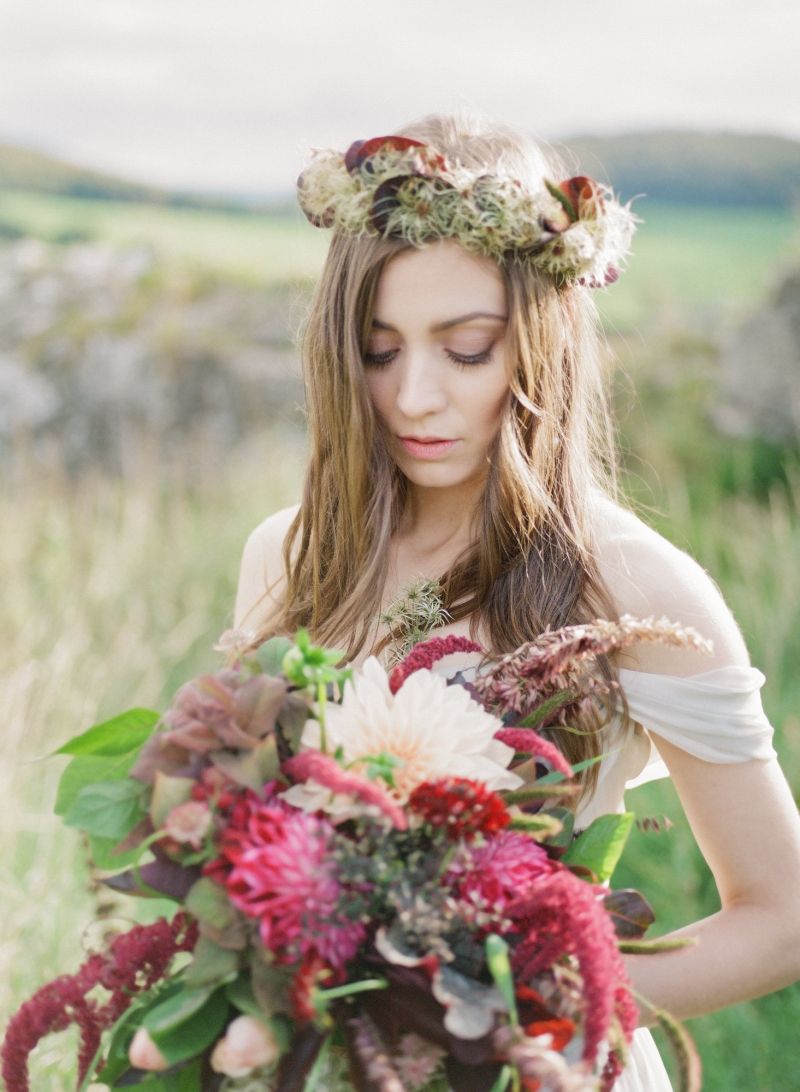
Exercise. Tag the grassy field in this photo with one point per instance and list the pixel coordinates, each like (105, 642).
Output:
(116, 591)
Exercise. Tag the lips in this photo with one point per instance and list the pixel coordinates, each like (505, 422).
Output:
(428, 439)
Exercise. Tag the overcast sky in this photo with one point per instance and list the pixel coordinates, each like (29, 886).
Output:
(228, 96)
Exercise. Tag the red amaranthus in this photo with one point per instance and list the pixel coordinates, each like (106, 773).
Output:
(135, 962)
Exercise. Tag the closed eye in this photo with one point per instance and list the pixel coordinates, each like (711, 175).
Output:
(380, 360)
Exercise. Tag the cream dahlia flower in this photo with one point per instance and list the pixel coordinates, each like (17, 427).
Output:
(435, 730)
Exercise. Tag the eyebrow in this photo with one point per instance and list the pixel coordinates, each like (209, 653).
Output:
(439, 326)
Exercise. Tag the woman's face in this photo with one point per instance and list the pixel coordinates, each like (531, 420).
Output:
(435, 362)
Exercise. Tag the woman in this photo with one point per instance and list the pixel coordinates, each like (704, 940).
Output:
(459, 431)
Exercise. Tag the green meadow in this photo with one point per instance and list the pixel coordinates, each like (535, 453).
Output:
(116, 590)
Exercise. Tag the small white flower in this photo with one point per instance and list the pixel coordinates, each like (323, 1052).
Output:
(311, 796)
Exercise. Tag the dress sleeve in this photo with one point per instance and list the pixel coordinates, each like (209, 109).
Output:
(716, 715)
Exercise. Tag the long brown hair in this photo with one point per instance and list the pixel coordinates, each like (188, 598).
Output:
(532, 564)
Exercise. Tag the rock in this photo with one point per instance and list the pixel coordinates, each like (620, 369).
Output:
(758, 388)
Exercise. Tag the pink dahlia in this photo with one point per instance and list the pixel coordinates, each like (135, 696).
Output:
(284, 874)
(493, 875)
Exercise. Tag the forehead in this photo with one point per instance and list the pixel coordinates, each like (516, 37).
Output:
(430, 286)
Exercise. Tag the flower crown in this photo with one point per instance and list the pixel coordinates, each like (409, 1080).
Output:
(575, 231)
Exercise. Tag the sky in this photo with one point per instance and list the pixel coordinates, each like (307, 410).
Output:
(230, 97)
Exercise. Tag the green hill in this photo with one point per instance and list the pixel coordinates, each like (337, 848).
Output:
(695, 168)
(26, 169)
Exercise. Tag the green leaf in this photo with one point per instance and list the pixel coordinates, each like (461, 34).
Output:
(186, 1079)
(503, 1080)
(122, 1032)
(562, 198)
(240, 994)
(252, 768)
(168, 793)
(382, 765)
(209, 903)
(103, 856)
(600, 846)
(555, 775)
(500, 969)
(118, 736)
(270, 655)
(185, 1024)
(211, 965)
(109, 809)
(86, 770)
(567, 819)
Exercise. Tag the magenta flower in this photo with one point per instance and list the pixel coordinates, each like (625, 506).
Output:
(526, 741)
(284, 874)
(493, 875)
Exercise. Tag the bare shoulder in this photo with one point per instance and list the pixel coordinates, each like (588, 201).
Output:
(261, 575)
(649, 576)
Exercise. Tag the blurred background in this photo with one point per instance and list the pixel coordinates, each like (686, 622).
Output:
(154, 271)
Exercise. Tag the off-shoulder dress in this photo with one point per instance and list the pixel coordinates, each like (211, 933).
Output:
(716, 715)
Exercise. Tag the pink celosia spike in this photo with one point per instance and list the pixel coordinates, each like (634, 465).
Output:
(426, 654)
(529, 742)
(326, 771)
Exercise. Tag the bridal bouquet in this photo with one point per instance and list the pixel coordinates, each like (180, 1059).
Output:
(377, 880)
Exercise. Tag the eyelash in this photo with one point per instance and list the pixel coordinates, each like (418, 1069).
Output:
(380, 360)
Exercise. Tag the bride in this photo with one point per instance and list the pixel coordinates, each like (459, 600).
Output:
(459, 431)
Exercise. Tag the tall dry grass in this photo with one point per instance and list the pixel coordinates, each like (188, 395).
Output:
(113, 595)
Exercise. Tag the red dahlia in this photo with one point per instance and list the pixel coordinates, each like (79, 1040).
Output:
(461, 806)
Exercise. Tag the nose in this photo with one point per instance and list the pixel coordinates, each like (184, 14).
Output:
(420, 387)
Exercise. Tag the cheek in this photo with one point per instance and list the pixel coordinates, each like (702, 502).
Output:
(375, 390)
(493, 403)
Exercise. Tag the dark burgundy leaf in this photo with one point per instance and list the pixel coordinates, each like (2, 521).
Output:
(298, 1061)
(630, 912)
(384, 200)
(409, 1005)
(167, 877)
(467, 1077)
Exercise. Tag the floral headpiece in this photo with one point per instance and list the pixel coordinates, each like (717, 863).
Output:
(574, 230)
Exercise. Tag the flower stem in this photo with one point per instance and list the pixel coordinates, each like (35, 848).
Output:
(350, 988)
(321, 699)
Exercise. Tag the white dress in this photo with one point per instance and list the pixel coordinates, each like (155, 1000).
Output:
(717, 716)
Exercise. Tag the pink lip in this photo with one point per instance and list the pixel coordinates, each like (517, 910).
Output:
(428, 439)
(431, 448)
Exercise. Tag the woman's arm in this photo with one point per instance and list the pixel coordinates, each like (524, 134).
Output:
(746, 825)
(742, 814)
